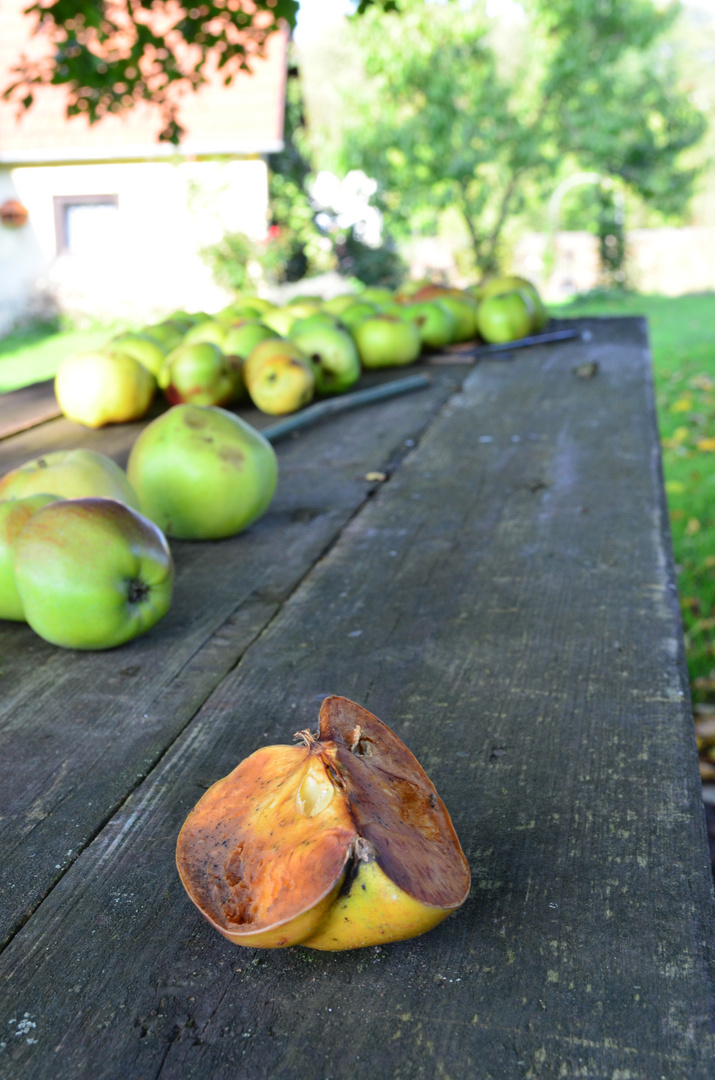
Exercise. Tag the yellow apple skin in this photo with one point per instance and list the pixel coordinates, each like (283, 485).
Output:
(374, 911)
(95, 389)
(279, 377)
(70, 474)
(305, 845)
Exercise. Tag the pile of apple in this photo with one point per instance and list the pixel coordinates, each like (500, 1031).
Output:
(281, 357)
(84, 557)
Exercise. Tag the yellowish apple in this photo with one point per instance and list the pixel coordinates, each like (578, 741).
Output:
(99, 388)
(69, 474)
(279, 377)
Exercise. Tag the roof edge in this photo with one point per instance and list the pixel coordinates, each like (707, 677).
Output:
(138, 152)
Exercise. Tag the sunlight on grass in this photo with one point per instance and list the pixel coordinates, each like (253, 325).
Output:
(682, 335)
(36, 355)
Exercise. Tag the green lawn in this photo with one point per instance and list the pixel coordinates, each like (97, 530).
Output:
(682, 333)
(34, 355)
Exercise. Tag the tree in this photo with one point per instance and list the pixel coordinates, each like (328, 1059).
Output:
(443, 120)
(111, 54)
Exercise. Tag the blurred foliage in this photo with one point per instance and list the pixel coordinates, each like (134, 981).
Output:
(230, 261)
(295, 246)
(111, 54)
(443, 120)
(370, 265)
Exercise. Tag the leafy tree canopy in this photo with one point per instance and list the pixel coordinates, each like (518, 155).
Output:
(111, 54)
(444, 119)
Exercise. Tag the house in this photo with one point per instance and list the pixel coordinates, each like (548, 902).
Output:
(105, 220)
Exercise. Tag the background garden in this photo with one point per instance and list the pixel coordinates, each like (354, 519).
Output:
(453, 124)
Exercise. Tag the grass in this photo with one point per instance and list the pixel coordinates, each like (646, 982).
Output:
(32, 355)
(682, 333)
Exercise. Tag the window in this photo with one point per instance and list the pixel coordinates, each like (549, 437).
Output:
(86, 224)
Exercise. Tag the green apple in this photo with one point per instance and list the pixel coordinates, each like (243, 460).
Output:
(505, 316)
(96, 388)
(143, 347)
(512, 283)
(408, 289)
(355, 314)
(69, 474)
(14, 516)
(394, 308)
(92, 574)
(375, 294)
(280, 319)
(303, 307)
(336, 361)
(336, 305)
(260, 304)
(242, 338)
(387, 341)
(200, 374)
(506, 283)
(321, 318)
(202, 473)
(248, 310)
(279, 377)
(462, 305)
(207, 330)
(169, 333)
(436, 324)
(185, 319)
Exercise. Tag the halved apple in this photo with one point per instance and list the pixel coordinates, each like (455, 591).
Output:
(338, 843)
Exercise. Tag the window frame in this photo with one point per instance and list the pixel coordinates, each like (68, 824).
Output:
(61, 204)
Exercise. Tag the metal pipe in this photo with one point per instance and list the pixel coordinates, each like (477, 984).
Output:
(314, 413)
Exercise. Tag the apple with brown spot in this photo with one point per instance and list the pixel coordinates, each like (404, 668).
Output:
(202, 473)
(338, 843)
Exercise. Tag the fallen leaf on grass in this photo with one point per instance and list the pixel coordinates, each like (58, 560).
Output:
(706, 444)
(693, 527)
(678, 437)
(674, 487)
(683, 404)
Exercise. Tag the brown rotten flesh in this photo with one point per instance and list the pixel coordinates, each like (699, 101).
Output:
(337, 843)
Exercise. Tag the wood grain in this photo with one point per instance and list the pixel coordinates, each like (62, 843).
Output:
(79, 730)
(506, 602)
(28, 407)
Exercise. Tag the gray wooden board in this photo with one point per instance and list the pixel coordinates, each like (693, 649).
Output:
(25, 408)
(506, 603)
(79, 730)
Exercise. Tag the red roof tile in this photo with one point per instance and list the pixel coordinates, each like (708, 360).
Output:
(246, 117)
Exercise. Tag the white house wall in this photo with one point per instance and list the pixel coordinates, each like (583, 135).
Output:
(167, 211)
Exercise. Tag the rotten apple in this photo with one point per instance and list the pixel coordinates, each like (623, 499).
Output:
(338, 843)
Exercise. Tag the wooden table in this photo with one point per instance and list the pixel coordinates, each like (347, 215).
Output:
(505, 600)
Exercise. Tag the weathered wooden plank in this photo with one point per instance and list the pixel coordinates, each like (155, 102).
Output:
(28, 407)
(506, 602)
(79, 730)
